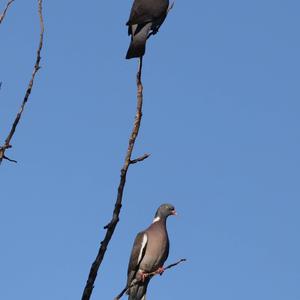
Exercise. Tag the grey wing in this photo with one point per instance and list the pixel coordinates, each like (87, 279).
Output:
(137, 254)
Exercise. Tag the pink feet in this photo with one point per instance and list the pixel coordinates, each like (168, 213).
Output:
(144, 275)
(160, 270)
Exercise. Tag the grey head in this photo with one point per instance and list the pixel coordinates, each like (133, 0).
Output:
(164, 211)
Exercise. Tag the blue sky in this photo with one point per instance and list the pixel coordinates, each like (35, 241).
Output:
(221, 120)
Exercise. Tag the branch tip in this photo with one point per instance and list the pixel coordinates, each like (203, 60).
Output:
(107, 225)
(5, 10)
(139, 159)
(9, 159)
(170, 7)
(30, 84)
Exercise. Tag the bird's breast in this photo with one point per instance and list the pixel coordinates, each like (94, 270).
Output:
(157, 250)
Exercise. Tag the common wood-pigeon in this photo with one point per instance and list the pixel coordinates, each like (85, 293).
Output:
(146, 17)
(150, 251)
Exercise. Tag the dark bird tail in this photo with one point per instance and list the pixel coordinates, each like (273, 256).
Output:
(135, 49)
(138, 291)
(139, 35)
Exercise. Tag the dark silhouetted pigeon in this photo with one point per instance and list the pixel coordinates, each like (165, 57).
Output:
(146, 17)
(150, 251)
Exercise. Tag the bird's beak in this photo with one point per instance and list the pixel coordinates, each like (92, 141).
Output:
(173, 212)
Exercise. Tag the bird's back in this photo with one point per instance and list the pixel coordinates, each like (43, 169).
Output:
(144, 11)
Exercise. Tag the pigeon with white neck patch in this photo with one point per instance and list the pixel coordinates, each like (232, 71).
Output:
(149, 253)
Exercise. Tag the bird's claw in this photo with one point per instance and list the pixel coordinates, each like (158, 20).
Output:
(160, 270)
(143, 276)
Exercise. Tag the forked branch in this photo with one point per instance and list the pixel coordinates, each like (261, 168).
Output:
(7, 144)
(111, 226)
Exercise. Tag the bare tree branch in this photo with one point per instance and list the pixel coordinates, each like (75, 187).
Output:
(175, 264)
(9, 159)
(134, 161)
(170, 6)
(7, 144)
(135, 282)
(111, 226)
(2, 16)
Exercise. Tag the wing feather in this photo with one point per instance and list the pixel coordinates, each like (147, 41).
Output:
(137, 254)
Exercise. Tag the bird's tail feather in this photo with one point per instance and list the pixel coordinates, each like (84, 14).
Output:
(135, 49)
(138, 41)
(138, 292)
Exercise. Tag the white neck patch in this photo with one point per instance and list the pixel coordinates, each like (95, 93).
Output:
(156, 219)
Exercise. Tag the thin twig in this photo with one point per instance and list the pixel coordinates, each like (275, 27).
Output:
(170, 6)
(135, 282)
(9, 159)
(175, 264)
(141, 158)
(2, 16)
(7, 144)
(111, 226)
